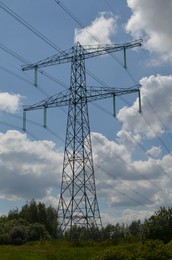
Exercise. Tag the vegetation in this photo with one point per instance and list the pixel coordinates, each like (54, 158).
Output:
(32, 232)
(150, 250)
(158, 226)
(34, 222)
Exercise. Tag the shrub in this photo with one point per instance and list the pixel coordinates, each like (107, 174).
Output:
(154, 250)
(4, 239)
(114, 254)
(18, 235)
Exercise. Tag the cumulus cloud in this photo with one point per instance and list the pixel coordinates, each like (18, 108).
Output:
(154, 151)
(141, 186)
(100, 30)
(126, 217)
(9, 102)
(152, 20)
(130, 215)
(28, 169)
(156, 115)
(32, 169)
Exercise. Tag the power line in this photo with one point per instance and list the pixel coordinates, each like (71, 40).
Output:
(29, 26)
(109, 5)
(20, 58)
(149, 125)
(160, 119)
(93, 36)
(142, 147)
(29, 82)
(44, 38)
(120, 192)
(15, 75)
(33, 123)
(138, 143)
(130, 188)
(52, 132)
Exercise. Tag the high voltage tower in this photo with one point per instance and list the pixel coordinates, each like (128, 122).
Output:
(78, 205)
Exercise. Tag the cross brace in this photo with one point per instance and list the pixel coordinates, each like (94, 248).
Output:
(78, 206)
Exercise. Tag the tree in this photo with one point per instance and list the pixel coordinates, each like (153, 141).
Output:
(13, 214)
(52, 221)
(135, 228)
(158, 226)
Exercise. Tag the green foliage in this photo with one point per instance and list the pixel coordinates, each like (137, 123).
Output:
(42, 250)
(34, 222)
(158, 226)
(115, 232)
(114, 254)
(4, 239)
(36, 232)
(135, 228)
(18, 235)
(79, 233)
(154, 250)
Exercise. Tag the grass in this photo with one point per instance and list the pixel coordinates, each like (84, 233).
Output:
(47, 250)
(88, 251)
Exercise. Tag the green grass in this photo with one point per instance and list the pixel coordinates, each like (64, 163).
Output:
(82, 251)
(46, 250)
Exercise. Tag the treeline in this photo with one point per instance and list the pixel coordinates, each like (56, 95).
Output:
(33, 222)
(36, 222)
(157, 227)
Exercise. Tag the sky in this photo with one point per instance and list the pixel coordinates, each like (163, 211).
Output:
(132, 152)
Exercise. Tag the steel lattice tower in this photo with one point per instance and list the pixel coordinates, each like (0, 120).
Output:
(78, 205)
(78, 181)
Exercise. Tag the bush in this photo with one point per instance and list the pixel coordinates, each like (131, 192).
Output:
(4, 239)
(158, 226)
(115, 254)
(18, 235)
(154, 250)
(37, 232)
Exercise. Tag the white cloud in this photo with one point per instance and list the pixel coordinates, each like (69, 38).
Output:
(130, 215)
(152, 20)
(9, 102)
(100, 31)
(156, 99)
(32, 169)
(27, 169)
(139, 186)
(126, 217)
(154, 152)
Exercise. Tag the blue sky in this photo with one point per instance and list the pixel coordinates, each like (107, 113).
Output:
(132, 154)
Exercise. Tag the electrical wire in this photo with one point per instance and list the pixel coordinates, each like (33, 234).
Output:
(149, 124)
(29, 26)
(93, 36)
(20, 58)
(109, 5)
(120, 192)
(129, 187)
(139, 144)
(33, 123)
(56, 1)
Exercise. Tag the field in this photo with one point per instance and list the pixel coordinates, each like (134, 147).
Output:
(47, 250)
(150, 250)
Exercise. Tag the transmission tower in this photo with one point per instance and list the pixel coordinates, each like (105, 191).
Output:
(78, 205)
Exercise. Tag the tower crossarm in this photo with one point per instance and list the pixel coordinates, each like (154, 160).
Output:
(97, 93)
(101, 49)
(88, 51)
(78, 205)
(58, 100)
(92, 94)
